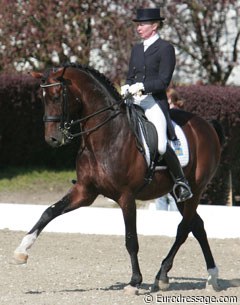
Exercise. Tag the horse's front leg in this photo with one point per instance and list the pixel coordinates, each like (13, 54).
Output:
(74, 199)
(131, 240)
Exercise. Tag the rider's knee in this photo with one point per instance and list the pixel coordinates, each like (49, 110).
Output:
(162, 147)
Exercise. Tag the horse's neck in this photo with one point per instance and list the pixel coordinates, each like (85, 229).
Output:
(114, 127)
(95, 97)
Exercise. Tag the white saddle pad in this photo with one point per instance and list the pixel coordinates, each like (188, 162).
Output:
(180, 147)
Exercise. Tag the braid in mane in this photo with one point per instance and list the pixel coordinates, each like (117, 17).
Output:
(99, 76)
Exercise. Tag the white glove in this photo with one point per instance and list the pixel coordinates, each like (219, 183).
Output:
(124, 90)
(136, 89)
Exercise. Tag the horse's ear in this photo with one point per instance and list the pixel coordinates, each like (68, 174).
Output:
(36, 74)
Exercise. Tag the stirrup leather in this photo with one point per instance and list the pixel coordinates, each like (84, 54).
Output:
(184, 185)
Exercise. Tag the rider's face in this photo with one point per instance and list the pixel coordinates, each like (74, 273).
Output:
(146, 29)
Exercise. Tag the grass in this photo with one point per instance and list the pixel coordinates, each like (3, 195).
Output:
(30, 181)
(17, 178)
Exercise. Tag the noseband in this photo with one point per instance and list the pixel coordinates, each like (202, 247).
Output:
(63, 119)
(53, 118)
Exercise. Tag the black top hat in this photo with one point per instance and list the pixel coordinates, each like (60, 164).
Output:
(148, 14)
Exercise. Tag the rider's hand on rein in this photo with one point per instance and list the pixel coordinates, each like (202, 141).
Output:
(136, 89)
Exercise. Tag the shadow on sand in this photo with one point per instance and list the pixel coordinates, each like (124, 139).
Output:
(176, 284)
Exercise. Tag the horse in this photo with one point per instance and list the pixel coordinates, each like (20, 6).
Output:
(109, 163)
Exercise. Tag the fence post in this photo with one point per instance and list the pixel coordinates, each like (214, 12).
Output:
(230, 194)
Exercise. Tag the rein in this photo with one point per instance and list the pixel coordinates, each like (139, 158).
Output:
(66, 124)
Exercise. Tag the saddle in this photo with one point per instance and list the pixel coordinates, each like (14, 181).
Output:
(146, 135)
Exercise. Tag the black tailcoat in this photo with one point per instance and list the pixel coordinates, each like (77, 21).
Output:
(154, 68)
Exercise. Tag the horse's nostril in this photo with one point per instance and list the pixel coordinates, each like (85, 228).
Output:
(52, 141)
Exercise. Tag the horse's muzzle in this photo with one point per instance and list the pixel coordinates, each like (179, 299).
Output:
(55, 141)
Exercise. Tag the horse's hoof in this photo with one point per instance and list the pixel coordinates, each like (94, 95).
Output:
(212, 284)
(155, 286)
(130, 290)
(212, 281)
(20, 258)
(163, 285)
(216, 287)
(160, 285)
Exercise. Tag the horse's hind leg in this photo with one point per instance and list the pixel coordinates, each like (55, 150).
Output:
(188, 211)
(161, 280)
(199, 233)
(71, 201)
(188, 224)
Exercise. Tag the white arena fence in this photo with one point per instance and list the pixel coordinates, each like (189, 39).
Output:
(220, 221)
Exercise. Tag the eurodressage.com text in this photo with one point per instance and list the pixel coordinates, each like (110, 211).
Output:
(181, 299)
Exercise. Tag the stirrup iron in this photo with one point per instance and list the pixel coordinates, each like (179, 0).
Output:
(186, 187)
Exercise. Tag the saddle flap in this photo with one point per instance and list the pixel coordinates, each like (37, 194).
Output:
(145, 132)
(147, 140)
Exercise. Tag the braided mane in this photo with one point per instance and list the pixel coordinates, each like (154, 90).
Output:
(100, 77)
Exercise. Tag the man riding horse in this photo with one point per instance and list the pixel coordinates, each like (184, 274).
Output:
(150, 71)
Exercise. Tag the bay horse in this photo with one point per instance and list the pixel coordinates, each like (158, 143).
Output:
(109, 163)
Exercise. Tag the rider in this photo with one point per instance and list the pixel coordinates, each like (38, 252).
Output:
(151, 66)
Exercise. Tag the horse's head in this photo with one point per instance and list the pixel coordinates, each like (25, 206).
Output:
(76, 95)
(59, 103)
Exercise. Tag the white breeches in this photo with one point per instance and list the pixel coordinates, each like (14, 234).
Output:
(155, 115)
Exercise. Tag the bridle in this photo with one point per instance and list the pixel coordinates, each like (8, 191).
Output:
(66, 123)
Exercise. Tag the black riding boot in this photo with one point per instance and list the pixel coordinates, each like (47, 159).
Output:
(181, 187)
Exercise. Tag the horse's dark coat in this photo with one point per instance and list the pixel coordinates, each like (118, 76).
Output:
(109, 163)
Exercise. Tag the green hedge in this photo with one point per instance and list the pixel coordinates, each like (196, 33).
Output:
(223, 104)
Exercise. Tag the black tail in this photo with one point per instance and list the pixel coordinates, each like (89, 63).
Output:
(219, 130)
